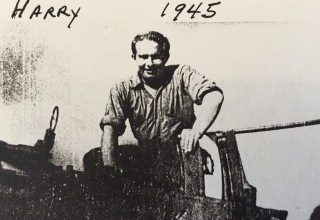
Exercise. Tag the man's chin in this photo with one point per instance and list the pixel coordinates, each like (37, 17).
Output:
(150, 76)
(151, 80)
(149, 73)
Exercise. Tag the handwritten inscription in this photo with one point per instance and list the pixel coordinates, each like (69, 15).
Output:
(63, 11)
(205, 10)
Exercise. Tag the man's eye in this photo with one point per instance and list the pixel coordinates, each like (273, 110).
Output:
(156, 56)
(144, 57)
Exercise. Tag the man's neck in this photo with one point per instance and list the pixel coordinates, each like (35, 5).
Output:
(151, 90)
(155, 83)
(163, 79)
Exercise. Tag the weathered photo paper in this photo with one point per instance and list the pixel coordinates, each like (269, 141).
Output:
(262, 54)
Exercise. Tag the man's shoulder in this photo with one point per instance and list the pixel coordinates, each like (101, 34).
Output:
(180, 67)
(133, 81)
(177, 67)
(127, 83)
(179, 70)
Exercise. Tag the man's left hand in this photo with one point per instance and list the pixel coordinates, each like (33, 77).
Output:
(189, 139)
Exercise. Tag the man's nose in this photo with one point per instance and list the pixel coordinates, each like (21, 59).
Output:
(149, 61)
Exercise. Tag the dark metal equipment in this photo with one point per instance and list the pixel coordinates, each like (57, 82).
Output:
(238, 196)
(33, 188)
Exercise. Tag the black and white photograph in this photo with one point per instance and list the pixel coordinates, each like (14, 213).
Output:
(118, 109)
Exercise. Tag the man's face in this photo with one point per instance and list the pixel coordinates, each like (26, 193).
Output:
(150, 60)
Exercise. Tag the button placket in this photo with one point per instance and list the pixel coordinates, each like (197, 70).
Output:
(156, 112)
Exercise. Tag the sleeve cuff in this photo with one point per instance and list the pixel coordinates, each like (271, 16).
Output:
(208, 89)
(115, 122)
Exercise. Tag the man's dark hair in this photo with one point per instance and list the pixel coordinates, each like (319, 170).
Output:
(157, 37)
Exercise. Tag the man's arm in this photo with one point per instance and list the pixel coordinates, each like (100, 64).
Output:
(109, 141)
(113, 123)
(205, 114)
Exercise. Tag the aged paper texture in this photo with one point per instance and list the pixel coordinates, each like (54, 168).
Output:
(262, 54)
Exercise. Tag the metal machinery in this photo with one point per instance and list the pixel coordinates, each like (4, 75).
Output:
(33, 188)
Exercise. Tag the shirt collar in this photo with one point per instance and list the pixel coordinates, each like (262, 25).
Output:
(136, 81)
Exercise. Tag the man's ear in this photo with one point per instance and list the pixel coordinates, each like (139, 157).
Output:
(166, 58)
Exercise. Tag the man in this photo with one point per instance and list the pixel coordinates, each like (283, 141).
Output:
(159, 102)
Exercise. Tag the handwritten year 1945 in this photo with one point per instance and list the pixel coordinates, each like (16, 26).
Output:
(194, 9)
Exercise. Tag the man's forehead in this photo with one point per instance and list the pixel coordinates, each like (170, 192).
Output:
(147, 46)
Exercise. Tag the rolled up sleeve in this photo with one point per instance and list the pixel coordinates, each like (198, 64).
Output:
(115, 113)
(196, 84)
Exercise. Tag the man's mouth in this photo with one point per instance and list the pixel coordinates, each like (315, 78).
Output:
(149, 71)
